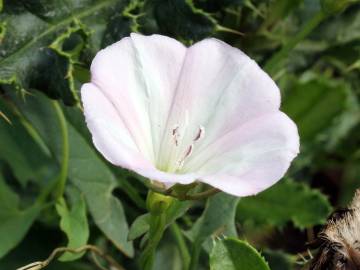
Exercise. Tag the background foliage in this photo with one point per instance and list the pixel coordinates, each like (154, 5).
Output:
(55, 189)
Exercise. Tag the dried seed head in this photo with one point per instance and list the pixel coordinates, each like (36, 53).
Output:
(339, 242)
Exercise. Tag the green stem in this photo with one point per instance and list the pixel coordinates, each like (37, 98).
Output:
(202, 195)
(38, 139)
(195, 254)
(157, 227)
(46, 191)
(157, 204)
(185, 197)
(60, 186)
(273, 63)
(27, 125)
(184, 252)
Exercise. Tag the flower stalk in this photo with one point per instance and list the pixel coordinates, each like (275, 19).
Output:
(195, 254)
(182, 192)
(157, 205)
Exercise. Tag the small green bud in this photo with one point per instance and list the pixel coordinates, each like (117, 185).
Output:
(332, 7)
(157, 203)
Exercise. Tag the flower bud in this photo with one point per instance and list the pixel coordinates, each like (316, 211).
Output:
(157, 203)
(332, 7)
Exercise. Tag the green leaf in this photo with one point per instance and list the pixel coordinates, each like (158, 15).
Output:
(280, 9)
(167, 256)
(314, 105)
(176, 209)
(74, 223)
(233, 254)
(333, 7)
(87, 170)
(218, 217)
(188, 22)
(346, 27)
(14, 222)
(96, 181)
(286, 201)
(48, 35)
(140, 226)
(29, 162)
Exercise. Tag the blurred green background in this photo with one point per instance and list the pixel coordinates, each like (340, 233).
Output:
(311, 48)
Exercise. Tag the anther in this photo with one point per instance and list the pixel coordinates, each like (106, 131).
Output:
(189, 151)
(175, 134)
(186, 155)
(200, 134)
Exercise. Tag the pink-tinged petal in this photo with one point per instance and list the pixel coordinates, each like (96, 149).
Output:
(251, 157)
(114, 141)
(109, 133)
(219, 89)
(169, 179)
(139, 76)
(178, 115)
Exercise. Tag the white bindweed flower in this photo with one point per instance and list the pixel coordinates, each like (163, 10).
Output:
(173, 114)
